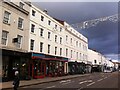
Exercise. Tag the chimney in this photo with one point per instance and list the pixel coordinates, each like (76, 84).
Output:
(45, 11)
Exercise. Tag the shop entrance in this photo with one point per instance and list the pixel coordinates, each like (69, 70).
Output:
(38, 69)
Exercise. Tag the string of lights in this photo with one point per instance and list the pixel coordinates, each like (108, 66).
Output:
(90, 23)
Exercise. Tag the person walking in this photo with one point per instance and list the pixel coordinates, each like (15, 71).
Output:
(16, 81)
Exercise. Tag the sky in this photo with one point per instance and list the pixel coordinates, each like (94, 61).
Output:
(104, 36)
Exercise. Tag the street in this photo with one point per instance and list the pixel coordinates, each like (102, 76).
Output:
(94, 80)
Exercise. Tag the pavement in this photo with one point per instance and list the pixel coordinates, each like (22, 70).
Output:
(8, 85)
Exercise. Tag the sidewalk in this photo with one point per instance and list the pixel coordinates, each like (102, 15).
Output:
(6, 85)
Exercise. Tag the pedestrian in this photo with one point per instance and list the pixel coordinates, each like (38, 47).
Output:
(16, 81)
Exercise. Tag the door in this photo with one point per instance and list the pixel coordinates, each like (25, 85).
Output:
(39, 69)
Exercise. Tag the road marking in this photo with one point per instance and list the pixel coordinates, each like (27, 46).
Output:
(50, 87)
(105, 77)
(99, 80)
(91, 84)
(82, 82)
(65, 81)
(89, 81)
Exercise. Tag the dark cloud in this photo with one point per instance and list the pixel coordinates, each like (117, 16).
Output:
(104, 36)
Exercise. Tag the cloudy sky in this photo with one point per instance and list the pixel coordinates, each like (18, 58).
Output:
(104, 36)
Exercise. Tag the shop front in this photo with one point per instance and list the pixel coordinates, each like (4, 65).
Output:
(76, 67)
(14, 61)
(42, 65)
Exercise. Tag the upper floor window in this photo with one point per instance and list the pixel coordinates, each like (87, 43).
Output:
(66, 52)
(49, 22)
(95, 61)
(48, 48)
(66, 38)
(32, 44)
(55, 26)
(21, 5)
(80, 56)
(41, 46)
(41, 32)
(4, 37)
(6, 18)
(71, 40)
(48, 35)
(32, 28)
(60, 40)
(55, 38)
(33, 13)
(20, 23)
(42, 18)
(71, 53)
(55, 50)
(19, 41)
(77, 55)
(76, 43)
(60, 51)
(60, 29)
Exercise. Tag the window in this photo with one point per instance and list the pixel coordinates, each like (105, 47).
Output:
(60, 51)
(66, 38)
(80, 56)
(6, 17)
(18, 44)
(76, 43)
(95, 61)
(21, 5)
(32, 44)
(60, 40)
(33, 13)
(55, 50)
(60, 29)
(20, 23)
(4, 37)
(41, 32)
(49, 22)
(48, 48)
(79, 44)
(48, 35)
(66, 52)
(77, 55)
(55, 38)
(42, 18)
(32, 28)
(41, 46)
(71, 40)
(71, 53)
(55, 26)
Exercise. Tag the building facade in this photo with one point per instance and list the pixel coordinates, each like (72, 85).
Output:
(76, 50)
(46, 45)
(13, 33)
